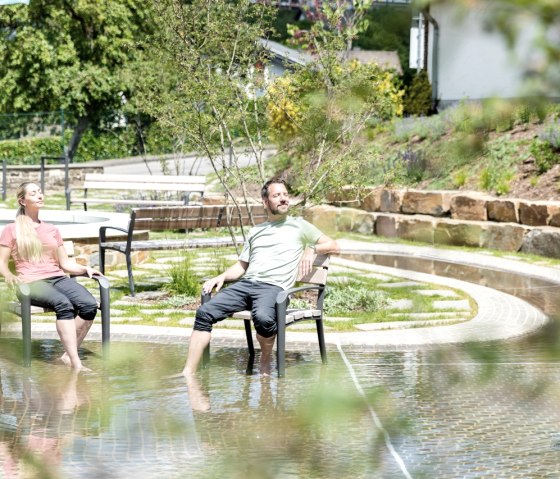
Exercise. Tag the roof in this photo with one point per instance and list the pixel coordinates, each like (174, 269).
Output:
(385, 59)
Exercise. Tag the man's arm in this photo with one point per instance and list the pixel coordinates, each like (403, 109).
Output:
(231, 274)
(326, 245)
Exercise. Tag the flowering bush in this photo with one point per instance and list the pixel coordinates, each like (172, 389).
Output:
(353, 94)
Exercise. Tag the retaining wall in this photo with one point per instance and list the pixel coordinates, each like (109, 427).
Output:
(446, 217)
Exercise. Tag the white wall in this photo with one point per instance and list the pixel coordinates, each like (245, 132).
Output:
(476, 63)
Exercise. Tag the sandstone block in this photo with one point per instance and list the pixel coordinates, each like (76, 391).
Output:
(386, 225)
(347, 196)
(469, 206)
(418, 228)
(504, 237)
(554, 214)
(452, 232)
(371, 200)
(434, 203)
(323, 217)
(533, 213)
(503, 210)
(353, 220)
(391, 201)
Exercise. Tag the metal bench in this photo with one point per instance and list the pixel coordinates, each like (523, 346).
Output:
(24, 310)
(184, 218)
(316, 281)
(165, 190)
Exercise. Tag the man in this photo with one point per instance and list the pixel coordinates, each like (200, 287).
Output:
(269, 263)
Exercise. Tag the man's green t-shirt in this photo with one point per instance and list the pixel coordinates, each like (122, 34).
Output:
(273, 250)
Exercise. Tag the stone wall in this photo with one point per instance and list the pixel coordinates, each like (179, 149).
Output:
(54, 176)
(446, 217)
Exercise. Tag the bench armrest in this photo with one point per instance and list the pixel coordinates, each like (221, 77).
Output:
(103, 229)
(283, 295)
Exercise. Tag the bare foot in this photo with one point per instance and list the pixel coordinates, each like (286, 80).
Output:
(64, 359)
(265, 367)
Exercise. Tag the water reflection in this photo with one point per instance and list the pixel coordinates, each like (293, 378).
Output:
(34, 420)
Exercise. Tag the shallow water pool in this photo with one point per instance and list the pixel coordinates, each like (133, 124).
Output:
(467, 411)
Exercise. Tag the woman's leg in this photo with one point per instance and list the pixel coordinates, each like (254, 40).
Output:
(85, 306)
(44, 294)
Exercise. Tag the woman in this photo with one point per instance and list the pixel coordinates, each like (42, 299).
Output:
(41, 261)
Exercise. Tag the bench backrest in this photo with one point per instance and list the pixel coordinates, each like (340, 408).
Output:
(195, 217)
(101, 181)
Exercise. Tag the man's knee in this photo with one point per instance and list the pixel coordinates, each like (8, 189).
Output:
(265, 324)
(203, 320)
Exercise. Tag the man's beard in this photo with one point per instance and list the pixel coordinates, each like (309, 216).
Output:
(276, 211)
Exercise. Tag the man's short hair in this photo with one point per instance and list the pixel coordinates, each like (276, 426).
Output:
(272, 181)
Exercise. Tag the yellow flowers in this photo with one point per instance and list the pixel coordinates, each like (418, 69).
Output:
(284, 114)
(301, 101)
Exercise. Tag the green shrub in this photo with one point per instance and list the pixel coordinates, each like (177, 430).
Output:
(29, 150)
(94, 145)
(418, 97)
(545, 155)
(184, 281)
(344, 298)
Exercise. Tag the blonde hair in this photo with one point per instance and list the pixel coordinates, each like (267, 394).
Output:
(28, 243)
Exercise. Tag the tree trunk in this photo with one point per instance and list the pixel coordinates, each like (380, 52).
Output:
(81, 127)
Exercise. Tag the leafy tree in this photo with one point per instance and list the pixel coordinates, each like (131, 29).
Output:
(204, 82)
(69, 55)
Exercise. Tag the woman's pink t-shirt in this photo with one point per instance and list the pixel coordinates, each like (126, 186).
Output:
(48, 266)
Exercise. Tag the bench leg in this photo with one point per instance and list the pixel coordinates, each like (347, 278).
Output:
(250, 346)
(130, 277)
(26, 329)
(102, 260)
(281, 340)
(321, 337)
(105, 300)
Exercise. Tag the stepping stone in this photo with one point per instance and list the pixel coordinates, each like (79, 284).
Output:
(186, 322)
(446, 293)
(307, 327)
(146, 296)
(453, 314)
(116, 312)
(162, 320)
(123, 319)
(400, 284)
(153, 266)
(405, 324)
(331, 319)
(160, 311)
(379, 276)
(462, 304)
(400, 304)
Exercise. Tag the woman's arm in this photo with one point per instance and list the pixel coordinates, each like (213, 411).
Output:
(70, 266)
(10, 277)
